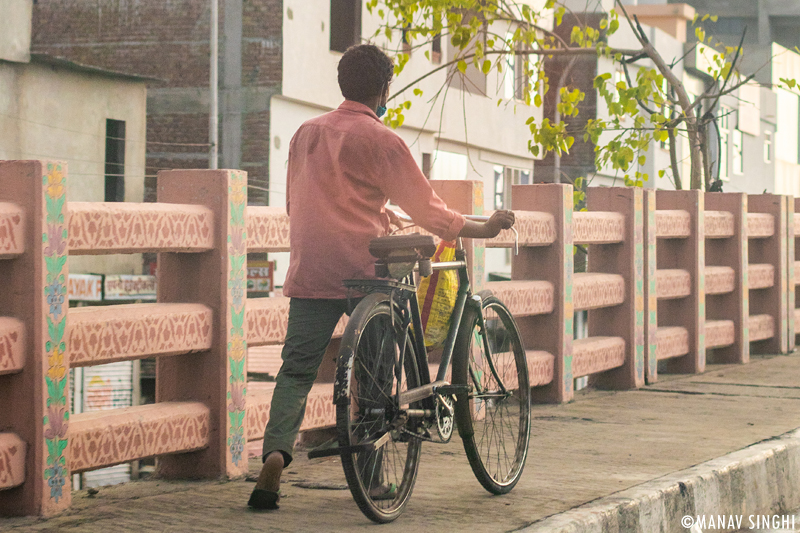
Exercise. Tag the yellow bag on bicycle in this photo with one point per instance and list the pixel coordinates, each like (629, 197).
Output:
(437, 297)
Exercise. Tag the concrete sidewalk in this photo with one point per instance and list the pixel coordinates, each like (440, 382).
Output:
(718, 443)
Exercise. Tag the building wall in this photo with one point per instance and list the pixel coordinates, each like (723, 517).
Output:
(15, 29)
(170, 41)
(52, 112)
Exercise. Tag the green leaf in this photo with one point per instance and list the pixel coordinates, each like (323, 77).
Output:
(487, 66)
(462, 66)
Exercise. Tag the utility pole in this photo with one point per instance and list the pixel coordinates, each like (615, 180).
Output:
(213, 126)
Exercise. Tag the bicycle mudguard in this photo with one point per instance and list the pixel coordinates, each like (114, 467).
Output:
(349, 339)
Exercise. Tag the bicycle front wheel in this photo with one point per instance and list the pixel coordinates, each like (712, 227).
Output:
(380, 479)
(494, 420)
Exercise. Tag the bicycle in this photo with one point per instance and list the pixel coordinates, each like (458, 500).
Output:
(386, 402)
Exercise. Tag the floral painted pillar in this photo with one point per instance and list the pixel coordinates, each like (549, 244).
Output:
(217, 279)
(34, 402)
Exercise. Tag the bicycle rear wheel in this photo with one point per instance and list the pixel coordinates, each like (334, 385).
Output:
(381, 479)
(494, 420)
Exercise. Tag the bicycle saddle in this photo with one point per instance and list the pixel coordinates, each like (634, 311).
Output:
(402, 248)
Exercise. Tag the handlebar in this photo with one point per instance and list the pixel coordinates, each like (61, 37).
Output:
(477, 218)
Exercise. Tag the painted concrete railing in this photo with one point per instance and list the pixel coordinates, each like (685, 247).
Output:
(669, 276)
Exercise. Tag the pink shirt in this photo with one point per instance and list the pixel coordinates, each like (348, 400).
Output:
(343, 167)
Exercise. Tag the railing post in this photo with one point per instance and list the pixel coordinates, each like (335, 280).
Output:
(34, 403)
(730, 252)
(217, 279)
(552, 332)
(689, 255)
(627, 259)
(650, 287)
(774, 300)
(466, 197)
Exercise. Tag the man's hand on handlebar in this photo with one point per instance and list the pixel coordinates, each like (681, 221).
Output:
(499, 221)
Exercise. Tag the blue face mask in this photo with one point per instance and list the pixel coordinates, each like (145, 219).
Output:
(380, 111)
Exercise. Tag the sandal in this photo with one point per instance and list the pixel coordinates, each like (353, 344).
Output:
(264, 500)
(384, 492)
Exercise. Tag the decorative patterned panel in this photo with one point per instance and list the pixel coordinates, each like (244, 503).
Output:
(672, 342)
(12, 230)
(12, 345)
(719, 333)
(257, 409)
(673, 283)
(761, 276)
(761, 327)
(12, 460)
(120, 227)
(592, 291)
(267, 229)
(673, 223)
(760, 225)
(598, 227)
(534, 228)
(597, 354)
(524, 298)
(104, 438)
(105, 334)
(720, 280)
(719, 224)
(267, 319)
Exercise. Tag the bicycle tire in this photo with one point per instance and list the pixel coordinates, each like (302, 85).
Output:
(494, 427)
(365, 408)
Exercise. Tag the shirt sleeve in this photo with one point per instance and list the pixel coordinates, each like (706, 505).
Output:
(404, 183)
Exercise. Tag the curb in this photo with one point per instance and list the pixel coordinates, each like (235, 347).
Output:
(762, 479)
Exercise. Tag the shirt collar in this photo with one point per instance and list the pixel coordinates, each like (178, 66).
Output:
(358, 107)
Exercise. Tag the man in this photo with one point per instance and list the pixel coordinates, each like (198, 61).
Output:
(343, 167)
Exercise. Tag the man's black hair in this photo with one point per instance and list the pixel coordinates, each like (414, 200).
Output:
(364, 72)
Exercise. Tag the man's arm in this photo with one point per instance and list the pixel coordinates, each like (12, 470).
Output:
(499, 221)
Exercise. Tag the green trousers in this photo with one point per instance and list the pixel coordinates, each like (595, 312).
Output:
(311, 325)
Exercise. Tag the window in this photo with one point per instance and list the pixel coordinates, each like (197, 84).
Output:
(738, 152)
(436, 49)
(520, 73)
(504, 178)
(345, 24)
(767, 147)
(115, 161)
(426, 165)
(724, 134)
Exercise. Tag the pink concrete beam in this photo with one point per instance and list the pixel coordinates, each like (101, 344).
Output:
(760, 225)
(797, 272)
(99, 335)
(761, 275)
(267, 319)
(720, 280)
(320, 410)
(534, 228)
(719, 224)
(12, 345)
(598, 227)
(267, 229)
(762, 327)
(12, 460)
(120, 227)
(673, 341)
(597, 354)
(719, 333)
(105, 438)
(540, 367)
(12, 230)
(797, 316)
(796, 220)
(264, 359)
(673, 224)
(673, 283)
(524, 298)
(594, 291)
